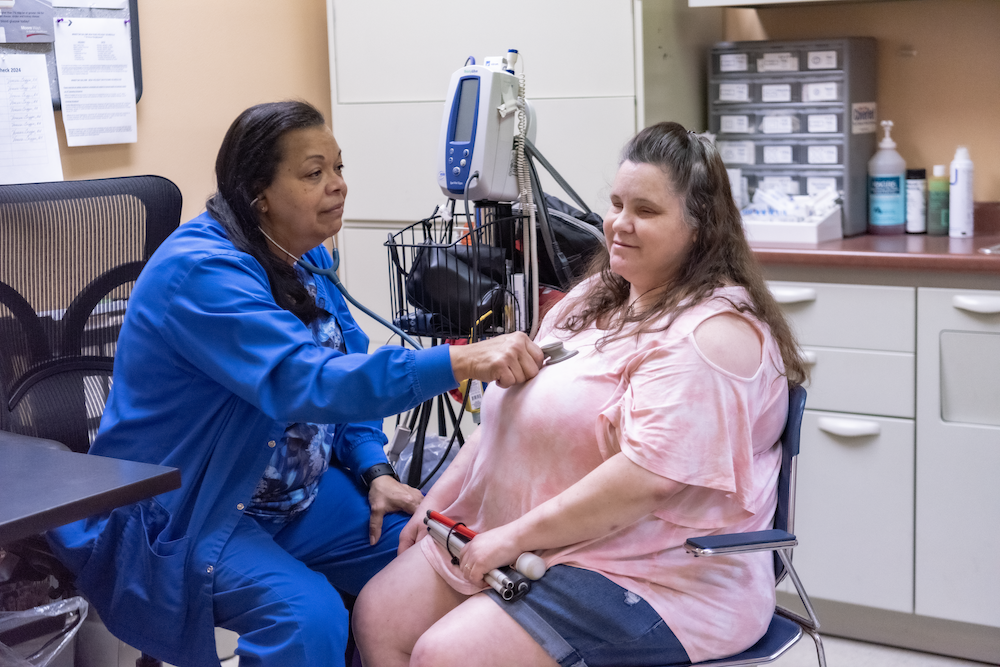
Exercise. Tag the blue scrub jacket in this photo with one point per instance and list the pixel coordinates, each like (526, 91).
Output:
(208, 372)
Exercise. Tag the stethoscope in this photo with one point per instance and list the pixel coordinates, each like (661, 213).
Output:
(553, 352)
(331, 273)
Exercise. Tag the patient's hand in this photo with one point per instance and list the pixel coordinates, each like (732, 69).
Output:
(387, 495)
(412, 532)
(489, 550)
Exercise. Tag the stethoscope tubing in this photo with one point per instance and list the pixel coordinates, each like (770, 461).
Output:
(331, 273)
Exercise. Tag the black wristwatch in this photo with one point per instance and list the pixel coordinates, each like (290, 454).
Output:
(378, 470)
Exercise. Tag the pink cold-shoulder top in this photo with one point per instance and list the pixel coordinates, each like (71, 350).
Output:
(661, 402)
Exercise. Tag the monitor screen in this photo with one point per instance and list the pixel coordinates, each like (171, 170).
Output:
(466, 115)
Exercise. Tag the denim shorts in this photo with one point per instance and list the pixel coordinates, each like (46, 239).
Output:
(583, 619)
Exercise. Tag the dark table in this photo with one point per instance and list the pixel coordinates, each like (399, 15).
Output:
(43, 487)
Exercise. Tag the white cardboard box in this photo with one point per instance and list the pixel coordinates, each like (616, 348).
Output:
(811, 230)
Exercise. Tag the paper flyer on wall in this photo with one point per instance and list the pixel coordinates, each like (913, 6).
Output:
(96, 86)
(91, 4)
(25, 21)
(29, 150)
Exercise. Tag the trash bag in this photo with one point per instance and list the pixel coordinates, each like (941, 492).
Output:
(33, 638)
(435, 447)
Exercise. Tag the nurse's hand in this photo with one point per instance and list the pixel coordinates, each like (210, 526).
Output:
(507, 360)
(386, 495)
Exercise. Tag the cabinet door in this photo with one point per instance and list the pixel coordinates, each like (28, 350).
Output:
(854, 510)
(958, 455)
(390, 67)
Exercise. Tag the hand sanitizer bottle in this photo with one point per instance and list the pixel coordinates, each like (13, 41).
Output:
(886, 187)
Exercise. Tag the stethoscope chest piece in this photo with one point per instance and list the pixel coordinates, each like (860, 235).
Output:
(556, 352)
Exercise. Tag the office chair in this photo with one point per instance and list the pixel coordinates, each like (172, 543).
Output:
(69, 254)
(786, 626)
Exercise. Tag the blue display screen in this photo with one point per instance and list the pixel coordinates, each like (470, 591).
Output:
(466, 115)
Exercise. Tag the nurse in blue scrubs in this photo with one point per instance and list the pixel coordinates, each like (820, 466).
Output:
(251, 376)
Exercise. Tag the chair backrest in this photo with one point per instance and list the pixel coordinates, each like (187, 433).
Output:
(69, 254)
(784, 513)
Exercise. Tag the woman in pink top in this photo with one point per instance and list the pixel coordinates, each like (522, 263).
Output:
(665, 426)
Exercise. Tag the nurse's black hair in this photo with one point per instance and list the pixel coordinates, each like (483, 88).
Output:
(719, 255)
(246, 165)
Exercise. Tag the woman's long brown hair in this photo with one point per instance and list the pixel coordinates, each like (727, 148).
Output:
(719, 255)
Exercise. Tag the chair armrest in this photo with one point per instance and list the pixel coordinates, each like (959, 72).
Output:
(6, 437)
(737, 543)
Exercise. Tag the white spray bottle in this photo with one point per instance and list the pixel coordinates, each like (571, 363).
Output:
(960, 195)
(886, 187)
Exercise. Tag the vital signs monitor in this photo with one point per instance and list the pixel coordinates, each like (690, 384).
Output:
(476, 157)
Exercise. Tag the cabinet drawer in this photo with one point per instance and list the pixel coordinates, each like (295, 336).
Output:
(854, 510)
(872, 383)
(865, 317)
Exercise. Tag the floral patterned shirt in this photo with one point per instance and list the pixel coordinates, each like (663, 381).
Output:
(302, 455)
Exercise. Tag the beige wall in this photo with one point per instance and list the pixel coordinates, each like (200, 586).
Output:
(938, 71)
(203, 63)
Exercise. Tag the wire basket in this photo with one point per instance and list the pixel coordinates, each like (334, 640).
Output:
(449, 282)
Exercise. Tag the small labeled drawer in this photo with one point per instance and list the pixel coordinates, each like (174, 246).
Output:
(776, 153)
(778, 122)
(861, 381)
(765, 58)
(794, 182)
(862, 317)
(776, 92)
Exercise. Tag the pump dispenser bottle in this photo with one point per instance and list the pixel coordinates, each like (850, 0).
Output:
(886, 187)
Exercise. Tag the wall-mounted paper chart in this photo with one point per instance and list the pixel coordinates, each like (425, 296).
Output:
(29, 151)
(94, 61)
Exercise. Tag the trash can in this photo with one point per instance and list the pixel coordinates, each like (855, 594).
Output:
(41, 636)
(39, 614)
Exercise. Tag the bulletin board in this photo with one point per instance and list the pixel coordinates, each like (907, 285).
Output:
(130, 14)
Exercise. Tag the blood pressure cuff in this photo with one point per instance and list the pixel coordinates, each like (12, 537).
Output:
(458, 284)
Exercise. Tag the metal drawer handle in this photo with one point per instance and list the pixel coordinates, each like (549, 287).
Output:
(849, 428)
(784, 294)
(808, 357)
(977, 304)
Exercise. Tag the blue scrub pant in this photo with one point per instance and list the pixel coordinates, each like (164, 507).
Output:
(274, 583)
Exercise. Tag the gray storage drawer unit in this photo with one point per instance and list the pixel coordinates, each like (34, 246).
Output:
(797, 115)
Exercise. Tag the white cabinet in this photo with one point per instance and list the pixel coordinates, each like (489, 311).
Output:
(854, 515)
(958, 455)
(756, 3)
(898, 496)
(390, 64)
(391, 61)
(855, 491)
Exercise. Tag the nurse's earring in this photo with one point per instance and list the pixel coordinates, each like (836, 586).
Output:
(263, 207)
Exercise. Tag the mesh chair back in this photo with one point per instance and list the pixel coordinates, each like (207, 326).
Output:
(69, 255)
(784, 513)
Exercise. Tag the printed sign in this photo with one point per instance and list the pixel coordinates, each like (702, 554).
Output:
(26, 21)
(864, 118)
